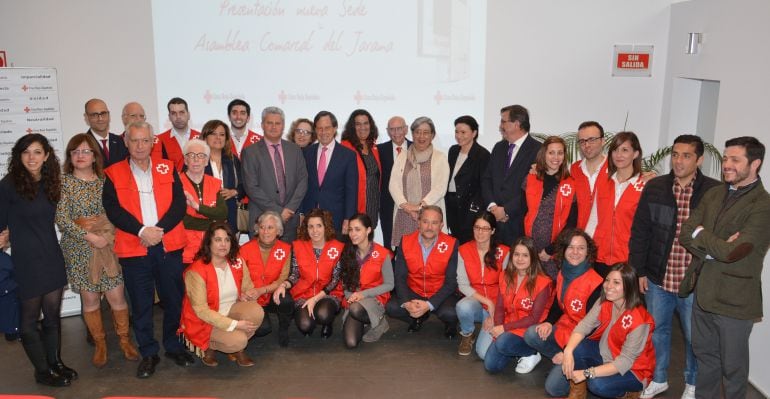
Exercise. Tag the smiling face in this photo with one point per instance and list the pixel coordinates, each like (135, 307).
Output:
(423, 137)
(325, 130)
(431, 223)
(98, 117)
(303, 134)
(521, 259)
(554, 157)
(464, 135)
(482, 231)
(736, 168)
(220, 245)
(196, 162)
(397, 130)
(623, 156)
(83, 158)
(577, 251)
(613, 288)
(359, 235)
(239, 117)
(267, 231)
(590, 142)
(216, 140)
(316, 231)
(363, 127)
(33, 159)
(684, 160)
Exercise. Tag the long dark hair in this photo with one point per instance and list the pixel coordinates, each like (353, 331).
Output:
(565, 238)
(50, 173)
(326, 219)
(490, 260)
(351, 272)
(631, 294)
(350, 135)
(209, 128)
(534, 269)
(540, 165)
(204, 253)
(74, 143)
(616, 142)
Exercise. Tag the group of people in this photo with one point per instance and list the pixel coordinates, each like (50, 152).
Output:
(549, 259)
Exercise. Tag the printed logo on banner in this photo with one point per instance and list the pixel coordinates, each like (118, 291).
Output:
(377, 97)
(440, 97)
(283, 96)
(210, 96)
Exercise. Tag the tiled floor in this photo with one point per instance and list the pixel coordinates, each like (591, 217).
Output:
(401, 365)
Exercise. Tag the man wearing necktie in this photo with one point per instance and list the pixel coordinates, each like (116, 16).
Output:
(510, 162)
(274, 174)
(332, 174)
(97, 117)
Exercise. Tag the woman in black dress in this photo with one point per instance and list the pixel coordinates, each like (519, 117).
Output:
(28, 197)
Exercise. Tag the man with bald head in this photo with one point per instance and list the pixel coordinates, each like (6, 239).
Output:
(133, 112)
(97, 117)
(389, 151)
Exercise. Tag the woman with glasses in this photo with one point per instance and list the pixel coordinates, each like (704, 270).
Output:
(87, 238)
(419, 178)
(301, 133)
(467, 162)
(478, 278)
(205, 203)
(360, 135)
(224, 166)
(28, 197)
(578, 287)
(551, 202)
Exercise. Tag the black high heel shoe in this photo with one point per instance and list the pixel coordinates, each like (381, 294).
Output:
(64, 371)
(51, 378)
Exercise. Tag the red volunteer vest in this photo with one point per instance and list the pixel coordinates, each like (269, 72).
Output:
(251, 138)
(583, 190)
(564, 195)
(628, 321)
(126, 244)
(197, 332)
(519, 304)
(362, 174)
(211, 187)
(315, 274)
(426, 279)
(484, 280)
(370, 275)
(174, 153)
(574, 304)
(613, 229)
(263, 274)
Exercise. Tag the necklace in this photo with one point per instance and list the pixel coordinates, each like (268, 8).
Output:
(198, 188)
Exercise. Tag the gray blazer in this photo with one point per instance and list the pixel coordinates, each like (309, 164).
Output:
(261, 186)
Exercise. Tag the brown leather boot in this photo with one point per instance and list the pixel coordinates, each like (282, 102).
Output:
(93, 320)
(120, 317)
(210, 358)
(241, 358)
(577, 391)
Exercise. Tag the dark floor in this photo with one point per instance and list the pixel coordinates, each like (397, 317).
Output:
(422, 365)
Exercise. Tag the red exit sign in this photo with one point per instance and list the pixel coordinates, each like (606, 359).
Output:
(633, 61)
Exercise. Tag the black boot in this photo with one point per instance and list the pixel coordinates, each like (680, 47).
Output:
(33, 347)
(52, 343)
(284, 320)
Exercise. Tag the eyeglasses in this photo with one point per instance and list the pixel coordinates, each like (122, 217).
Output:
(196, 155)
(425, 132)
(484, 229)
(302, 132)
(135, 116)
(98, 115)
(396, 129)
(86, 152)
(589, 140)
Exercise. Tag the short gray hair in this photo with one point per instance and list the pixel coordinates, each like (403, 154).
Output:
(139, 125)
(273, 110)
(197, 141)
(419, 121)
(432, 208)
(270, 215)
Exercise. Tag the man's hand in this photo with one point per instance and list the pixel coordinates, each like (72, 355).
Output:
(227, 193)
(345, 226)
(643, 285)
(286, 214)
(151, 235)
(4, 238)
(419, 308)
(499, 213)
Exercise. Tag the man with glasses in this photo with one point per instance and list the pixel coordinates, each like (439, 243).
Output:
(239, 112)
(169, 144)
(586, 171)
(510, 162)
(132, 112)
(144, 199)
(389, 151)
(97, 117)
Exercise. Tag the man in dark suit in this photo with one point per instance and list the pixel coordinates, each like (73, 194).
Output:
(389, 151)
(332, 174)
(274, 175)
(509, 164)
(97, 117)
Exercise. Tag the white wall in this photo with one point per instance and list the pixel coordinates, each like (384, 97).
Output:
(734, 52)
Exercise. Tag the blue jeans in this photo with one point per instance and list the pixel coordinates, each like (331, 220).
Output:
(555, 383)
(587, 355)
(661, 304)
(470, 311)
(501, 351)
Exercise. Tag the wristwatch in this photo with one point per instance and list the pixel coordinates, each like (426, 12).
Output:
(588, 373)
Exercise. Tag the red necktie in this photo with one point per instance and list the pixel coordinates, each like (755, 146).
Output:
(105, 150)
(398, 150)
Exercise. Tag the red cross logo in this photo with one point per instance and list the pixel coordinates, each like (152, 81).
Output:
(358, 97)
(279, 254)
(207, 96)
(442, 247)
(282, 96)
(526, 303)
(499, 253)
(254, 138)
(238, 264)
(627, 320)
(26, 109)
(375, 254)
(438, 97)
(332, 253)
(29, 130)
(566, 189)
(162, 168)
(639, 185)
(25, 87)
(155, 140)
(576, 305)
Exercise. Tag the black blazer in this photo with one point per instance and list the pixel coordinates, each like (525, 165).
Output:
(117, 146)
(502, 185)
(386, 201)
(468, 178)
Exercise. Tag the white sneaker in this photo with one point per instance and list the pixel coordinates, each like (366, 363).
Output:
(653, 389)
(689, 392)
(527, 364)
